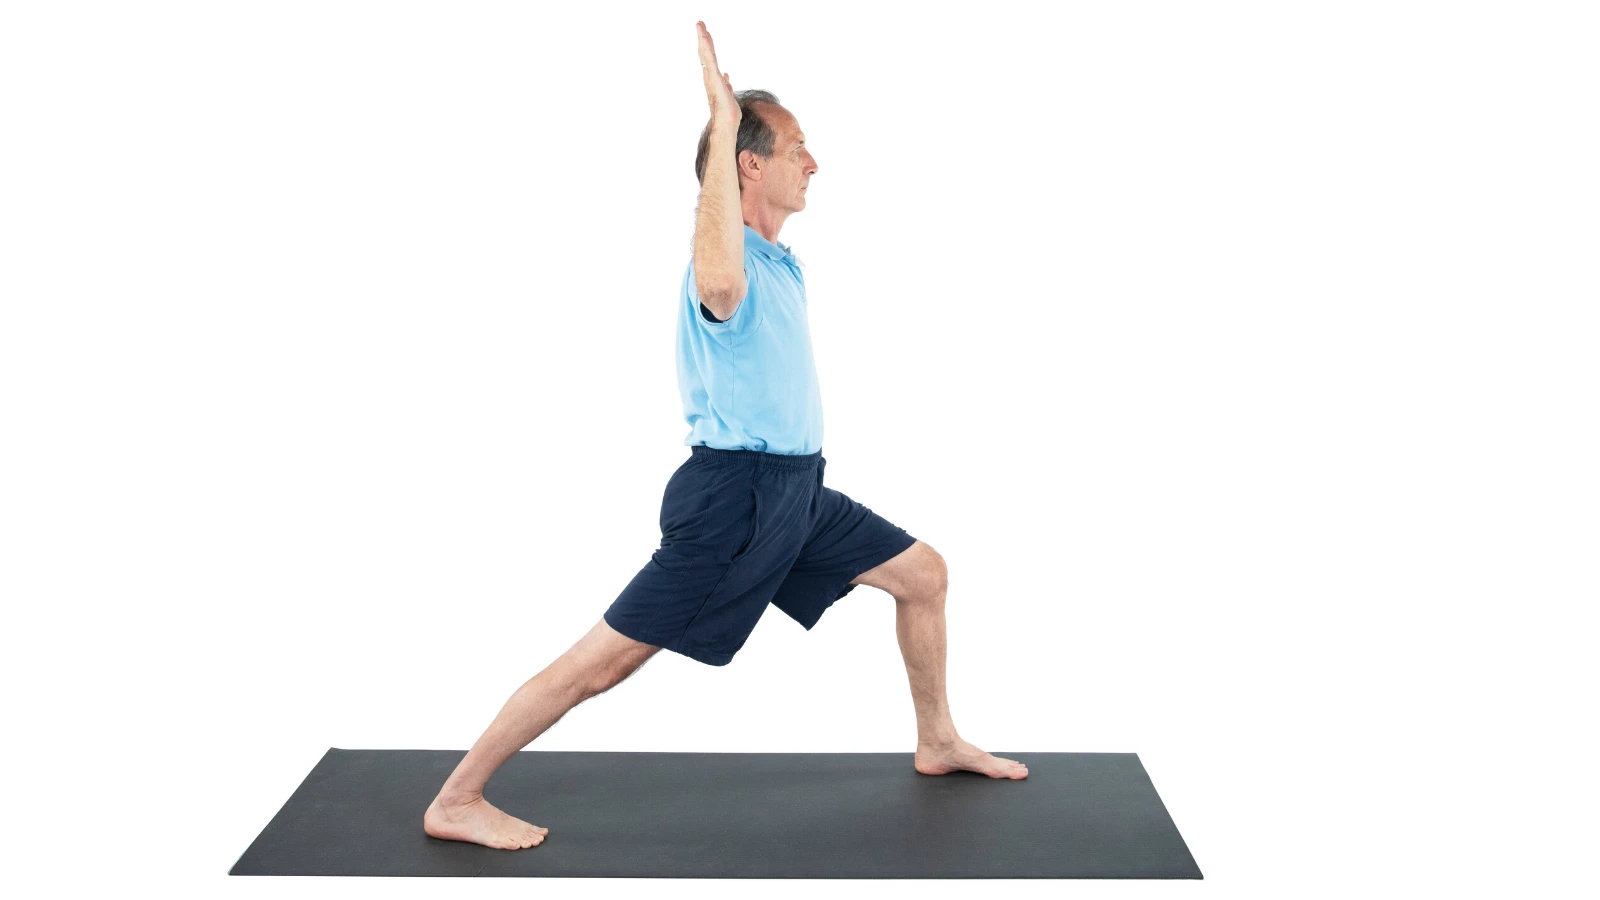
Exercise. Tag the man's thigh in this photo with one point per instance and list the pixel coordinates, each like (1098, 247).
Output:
(847, 541)
(917, 571)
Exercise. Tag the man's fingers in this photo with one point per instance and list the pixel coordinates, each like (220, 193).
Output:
(708, 49)
(720, 95)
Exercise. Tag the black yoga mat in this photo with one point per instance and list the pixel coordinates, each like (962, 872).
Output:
(734, 815)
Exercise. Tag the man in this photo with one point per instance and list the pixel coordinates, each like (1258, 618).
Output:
(746, 520)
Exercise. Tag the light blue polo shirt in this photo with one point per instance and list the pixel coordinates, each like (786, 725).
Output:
(750, 383)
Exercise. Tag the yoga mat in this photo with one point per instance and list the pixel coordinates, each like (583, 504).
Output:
(733, 815)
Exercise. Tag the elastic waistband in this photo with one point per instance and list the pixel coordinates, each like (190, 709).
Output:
(758, 457)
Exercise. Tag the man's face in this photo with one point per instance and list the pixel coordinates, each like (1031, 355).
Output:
(785, 179)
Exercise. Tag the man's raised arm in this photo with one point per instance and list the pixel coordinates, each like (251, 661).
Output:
(719, 224)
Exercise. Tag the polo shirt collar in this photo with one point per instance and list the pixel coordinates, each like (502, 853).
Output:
(753, 239)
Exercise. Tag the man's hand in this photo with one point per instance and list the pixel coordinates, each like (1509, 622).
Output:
(719, 91)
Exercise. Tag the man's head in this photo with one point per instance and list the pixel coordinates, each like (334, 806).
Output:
(774, 165)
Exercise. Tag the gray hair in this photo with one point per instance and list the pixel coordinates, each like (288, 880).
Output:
(755, 134)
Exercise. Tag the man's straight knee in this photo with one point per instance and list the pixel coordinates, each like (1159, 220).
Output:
(604, 658)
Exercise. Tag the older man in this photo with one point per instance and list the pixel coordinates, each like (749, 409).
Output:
(746, 520)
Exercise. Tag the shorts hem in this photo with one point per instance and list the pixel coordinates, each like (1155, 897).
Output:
(708, 657)
(704, 656)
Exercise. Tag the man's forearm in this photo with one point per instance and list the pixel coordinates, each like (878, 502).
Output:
(719, 225)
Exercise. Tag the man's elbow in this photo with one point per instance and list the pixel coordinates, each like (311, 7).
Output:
(723, 298)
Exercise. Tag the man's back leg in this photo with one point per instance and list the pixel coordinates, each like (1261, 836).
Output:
(599, 661)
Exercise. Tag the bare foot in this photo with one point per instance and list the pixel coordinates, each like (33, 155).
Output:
(474, 819)
(932, 760)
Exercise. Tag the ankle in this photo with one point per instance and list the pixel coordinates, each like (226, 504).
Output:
(452, 797)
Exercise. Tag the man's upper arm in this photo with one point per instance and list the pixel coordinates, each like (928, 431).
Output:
(741, 291)
(728, 324)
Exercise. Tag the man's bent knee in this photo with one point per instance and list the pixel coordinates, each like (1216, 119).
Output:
(917, 575)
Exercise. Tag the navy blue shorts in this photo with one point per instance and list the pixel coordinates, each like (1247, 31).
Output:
(741, 529)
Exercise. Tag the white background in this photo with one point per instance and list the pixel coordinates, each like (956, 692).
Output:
(1239, 358)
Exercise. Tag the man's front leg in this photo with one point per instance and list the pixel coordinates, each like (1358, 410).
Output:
(917, 579)
(919, 623)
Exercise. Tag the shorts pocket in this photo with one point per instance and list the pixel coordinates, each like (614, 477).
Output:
(672, 497)
(755, 523)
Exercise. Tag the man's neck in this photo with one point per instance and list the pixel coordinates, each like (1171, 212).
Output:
(766, 221)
